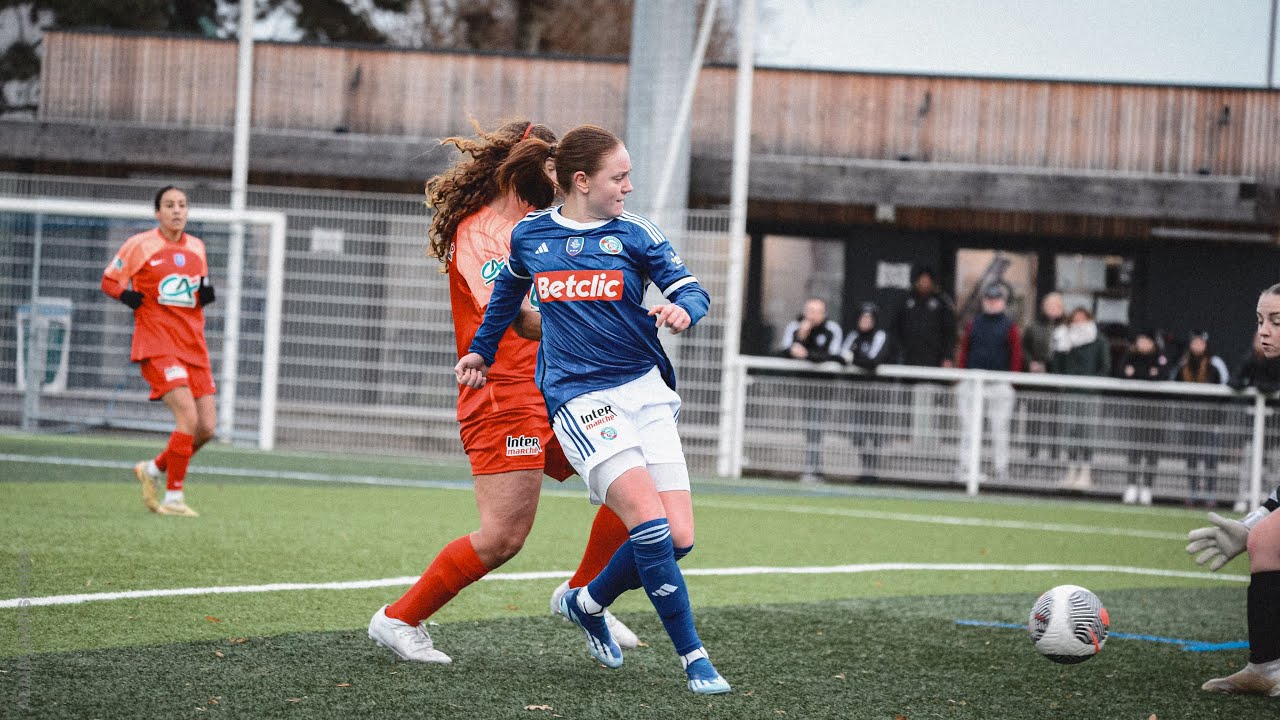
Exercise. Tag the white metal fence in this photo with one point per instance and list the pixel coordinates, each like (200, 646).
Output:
(366, 342)
(366, 347)
(1184, 441)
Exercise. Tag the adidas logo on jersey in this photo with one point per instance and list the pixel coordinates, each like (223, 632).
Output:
(541, 249)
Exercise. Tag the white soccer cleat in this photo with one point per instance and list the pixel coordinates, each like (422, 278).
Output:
(1252, 680)
(408, 642)
(176, 508)
(622, 634)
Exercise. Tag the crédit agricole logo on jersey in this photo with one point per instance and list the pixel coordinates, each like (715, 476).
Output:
(575, 285)
(179, 290)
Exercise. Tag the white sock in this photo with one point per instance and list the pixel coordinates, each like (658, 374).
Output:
(699, 654)
(173, 496)
(1271, 668)
(587, 604)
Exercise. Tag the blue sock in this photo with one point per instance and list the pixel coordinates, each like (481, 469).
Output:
(621, 574)
(664, 583)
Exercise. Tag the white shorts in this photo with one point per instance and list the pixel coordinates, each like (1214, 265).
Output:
(634, 422)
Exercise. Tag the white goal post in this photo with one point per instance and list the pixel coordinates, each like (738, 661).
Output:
(230, 293)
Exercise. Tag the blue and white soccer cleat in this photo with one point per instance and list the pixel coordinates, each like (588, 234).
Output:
(600, 642)
(703, 678)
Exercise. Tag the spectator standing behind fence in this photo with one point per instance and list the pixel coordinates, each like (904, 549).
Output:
(924, 325)
(991, 341)
(1037, 352)
(867, 347)
(811, 336)
(1202, 432)
(923, 329)
(1143, 361)
(1079, 349)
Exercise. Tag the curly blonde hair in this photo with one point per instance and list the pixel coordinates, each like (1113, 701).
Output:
(473, 180)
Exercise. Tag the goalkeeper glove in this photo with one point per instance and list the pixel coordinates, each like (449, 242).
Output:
(132, 298)
(1226, 539)
(205, 291)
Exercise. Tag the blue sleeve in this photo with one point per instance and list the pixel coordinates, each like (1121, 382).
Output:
(694, 300)
(509, 290)
(673, 279)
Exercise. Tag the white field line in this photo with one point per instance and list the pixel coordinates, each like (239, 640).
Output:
(703, 500)
(559, 574)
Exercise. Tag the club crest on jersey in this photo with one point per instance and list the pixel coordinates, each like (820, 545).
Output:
(178, 290)
(490, 269)
(574, 285)
(179, 259)
(575, 245)
(611, 244)
(519, 445)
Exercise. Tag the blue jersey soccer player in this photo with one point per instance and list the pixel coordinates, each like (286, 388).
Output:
(609, 386)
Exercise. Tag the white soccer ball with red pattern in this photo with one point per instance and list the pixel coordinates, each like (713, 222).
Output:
(1068, 624)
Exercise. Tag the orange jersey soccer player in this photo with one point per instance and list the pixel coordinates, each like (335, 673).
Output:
(162, 274)
(504, 426)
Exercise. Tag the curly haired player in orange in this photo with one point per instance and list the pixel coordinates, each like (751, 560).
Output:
(162, 274)
(504, 426)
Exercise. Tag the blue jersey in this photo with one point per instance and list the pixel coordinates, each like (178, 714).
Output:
(589, 281)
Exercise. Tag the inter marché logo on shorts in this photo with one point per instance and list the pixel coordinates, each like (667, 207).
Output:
(518, 445)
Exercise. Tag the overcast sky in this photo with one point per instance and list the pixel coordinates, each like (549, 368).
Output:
(1213, 42)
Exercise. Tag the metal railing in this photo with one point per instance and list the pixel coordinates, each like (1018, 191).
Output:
(1002, 430)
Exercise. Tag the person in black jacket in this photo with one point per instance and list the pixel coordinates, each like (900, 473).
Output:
(1144, 361)
(923, 329)
(1202, 430)
(867, 347)
(924, 325)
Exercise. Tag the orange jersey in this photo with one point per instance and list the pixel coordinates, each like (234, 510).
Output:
(170, 320)
(479, 251)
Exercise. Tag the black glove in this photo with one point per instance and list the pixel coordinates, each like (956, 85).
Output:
(205, 292)
(132, 298)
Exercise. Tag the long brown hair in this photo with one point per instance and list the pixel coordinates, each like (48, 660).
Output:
(474, 180)
(583, 148)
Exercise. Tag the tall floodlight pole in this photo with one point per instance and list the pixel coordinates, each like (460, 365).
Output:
(235, 244)
(728, 462)
(1271, 46)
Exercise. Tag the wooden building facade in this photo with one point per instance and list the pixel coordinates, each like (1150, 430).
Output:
(1174, 190)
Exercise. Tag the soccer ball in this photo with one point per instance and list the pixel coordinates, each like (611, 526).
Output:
(1068, 624)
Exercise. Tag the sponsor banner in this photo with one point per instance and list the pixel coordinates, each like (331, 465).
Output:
(574, 285)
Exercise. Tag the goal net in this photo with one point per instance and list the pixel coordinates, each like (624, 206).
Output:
(64, 345)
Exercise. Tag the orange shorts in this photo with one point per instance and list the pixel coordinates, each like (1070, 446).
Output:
(516, 439)
(165, 373)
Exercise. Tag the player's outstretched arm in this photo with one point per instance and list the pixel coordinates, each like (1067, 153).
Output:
(471, 371)
(1217, 544)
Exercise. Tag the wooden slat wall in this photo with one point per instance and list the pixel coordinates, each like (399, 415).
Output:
(1135, 128)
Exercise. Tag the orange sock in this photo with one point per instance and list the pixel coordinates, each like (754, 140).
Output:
(607, 535)
(178, 456)
(456, 567)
